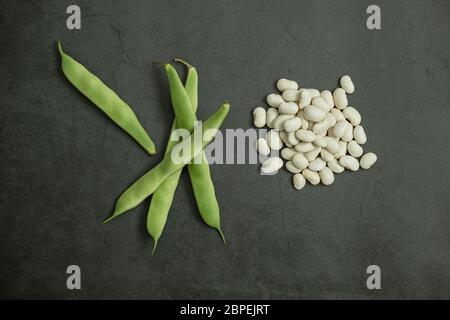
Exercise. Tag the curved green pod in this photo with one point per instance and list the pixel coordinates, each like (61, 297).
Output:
(105, 99)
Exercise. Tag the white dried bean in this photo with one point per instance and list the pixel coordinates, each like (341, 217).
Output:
(326, 156)
(288, 153)
(317, 165)
(360, 135)
(328, 97)
(342, 150)
(299, 181)
(259, 117)
(338, 115)
(340, 127)
(314, 93)
(292, 139)
(348, 134)
(368, 160)
(314, 114)
(340, 98)
(262, 147)
(335, 166)
(273, 140)
(311, 176)
(292, 124)
(347, 84)
(304, 98)
(300, 161)
(278, 122)
(313, 154)
(284, 138)
(305, 135)
(320, 128)
(304, 147)
(330, 120)
(352, 115)
(349, 162)
(271, 165)
(321, 142)
(288, 108)
(321, 104)
(285, 84)
(274, 100)
(332, 145)
(354, 149)
(290, 95)
(291, 168)
(326, 176)
(271, 114)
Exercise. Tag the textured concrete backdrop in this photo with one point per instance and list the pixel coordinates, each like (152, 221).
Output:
(63, 163)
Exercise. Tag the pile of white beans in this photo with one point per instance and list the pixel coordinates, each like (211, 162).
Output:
(318, 133)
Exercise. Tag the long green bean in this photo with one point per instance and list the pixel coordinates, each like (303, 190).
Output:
(105, 99)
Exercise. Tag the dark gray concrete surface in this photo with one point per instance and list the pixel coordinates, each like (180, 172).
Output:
(63, 163)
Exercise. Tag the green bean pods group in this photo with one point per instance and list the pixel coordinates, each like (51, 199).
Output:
(163, 197)
(105, 99)
(199, 173)
(149, 183)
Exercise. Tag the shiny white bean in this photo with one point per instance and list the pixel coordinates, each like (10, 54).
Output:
(317, 165)
(284, 137)
(328, 97)
(313, 154)
(273, 140)
(342, 150)
(271, 165)
(320, 128)
(259, 117)
(354, 149)
(326, 176)
(314, 114)
(338, 115)
(330, 120)
(349, 162)
(290, 95)
(314, 93)
(292, 138)
(340, 98)
(274, 100)
(288, 108)
(335, 166)
(340, 127)
(359, 135)
(262, 147)
(298, 181)
(348, 134)
(320, 103)
(305, 135)
(292, 125)
(311, 176)
(347, 84)
(278, 122)
(285, 84)
(352, 115)
(304, 147)
(332, 145)
(368, 160)
(300, 161)
(326, 156)
(320, 142)
(288, 153)
(291, 168)
(271, 114)
(304, 98)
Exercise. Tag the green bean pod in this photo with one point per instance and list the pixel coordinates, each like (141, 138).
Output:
(199, 173)
(149, 182)
(105, 99)
(163, 197)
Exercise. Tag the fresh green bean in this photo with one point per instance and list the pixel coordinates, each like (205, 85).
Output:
(163, 197)
(104, 98)
(149, 183)
(199, 173)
